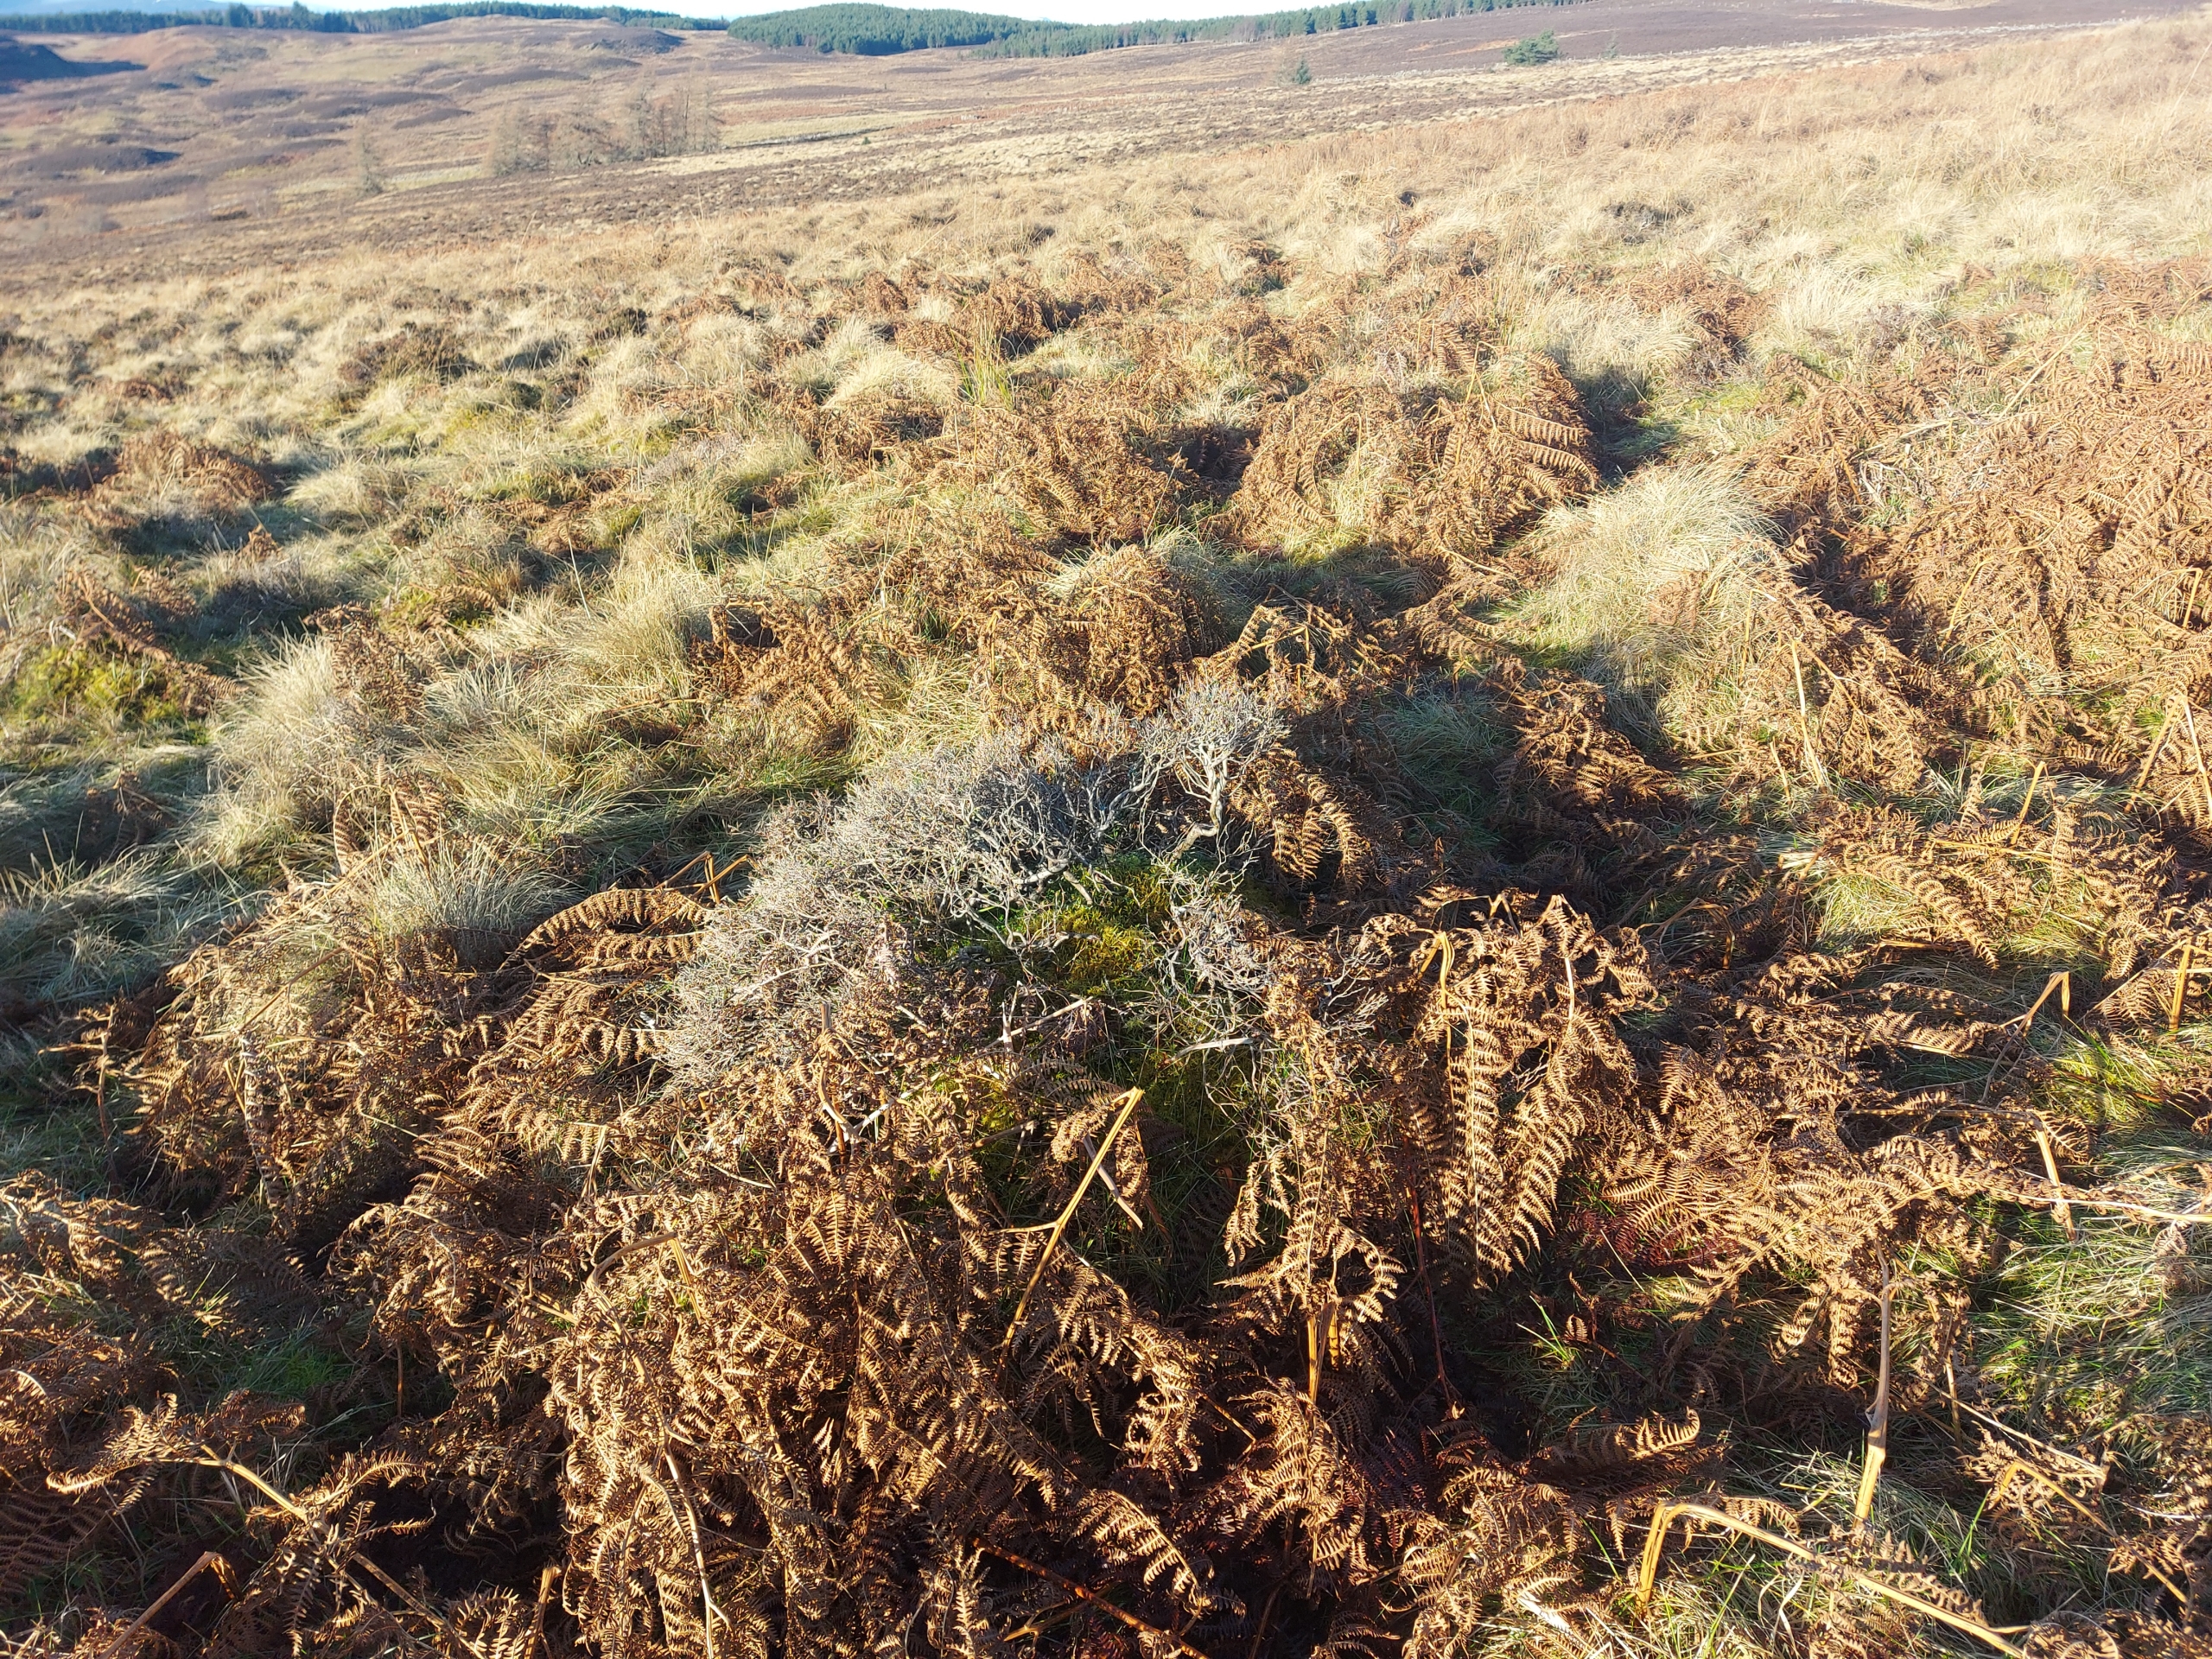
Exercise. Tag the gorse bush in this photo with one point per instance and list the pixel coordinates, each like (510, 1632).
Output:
(1533, 50)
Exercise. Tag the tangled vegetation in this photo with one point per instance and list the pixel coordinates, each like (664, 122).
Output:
(1415, 929)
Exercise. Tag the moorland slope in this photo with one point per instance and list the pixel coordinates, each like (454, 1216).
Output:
(1440, 891)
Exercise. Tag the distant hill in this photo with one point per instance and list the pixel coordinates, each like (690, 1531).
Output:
(21, 62)
(866, 31)
(137, 22)
(49, 8)
(876, 31)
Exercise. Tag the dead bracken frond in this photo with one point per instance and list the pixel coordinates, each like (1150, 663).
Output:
(1439, 479)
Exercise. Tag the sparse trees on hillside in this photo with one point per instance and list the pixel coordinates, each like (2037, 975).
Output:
(650, 124)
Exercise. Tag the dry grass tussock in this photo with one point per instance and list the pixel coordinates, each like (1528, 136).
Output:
(1242, 932)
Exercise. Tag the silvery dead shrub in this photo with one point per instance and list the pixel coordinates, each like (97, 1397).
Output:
(952, 841)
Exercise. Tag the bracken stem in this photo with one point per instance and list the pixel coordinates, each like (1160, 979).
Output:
(1667, 1514)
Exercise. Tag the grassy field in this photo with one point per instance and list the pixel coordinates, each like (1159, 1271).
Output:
(210, 151)
(1227, 906)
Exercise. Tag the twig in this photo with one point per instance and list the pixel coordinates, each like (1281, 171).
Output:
(683, 1272)
(2063, 982)
(2059, 1212)
(546, 1581)
(2005, 846)
(2179, 1217)
(210, 1459)
(1067, 1214)
(716, 873)
(2005, 413)
(1174, 1642)
(2022, 1435)
(1059, 1613)
(2197, 753)
(1878, 1420)
(1439, 944)
(289, 986)
(2154, 961)
(2181, 986)
(1266, 1613)
(685, 868)
(2013, 402)
(710, 1612)
(207, 1558)
(1121, 1203)
(2151, 755)
(2017, 1468)
(1251, 1439)
(2026, 801)
(1668, 1513)
(1805, 721)
(1420, 1260)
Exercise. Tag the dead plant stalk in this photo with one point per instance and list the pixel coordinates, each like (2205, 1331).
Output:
(1668, 1513)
